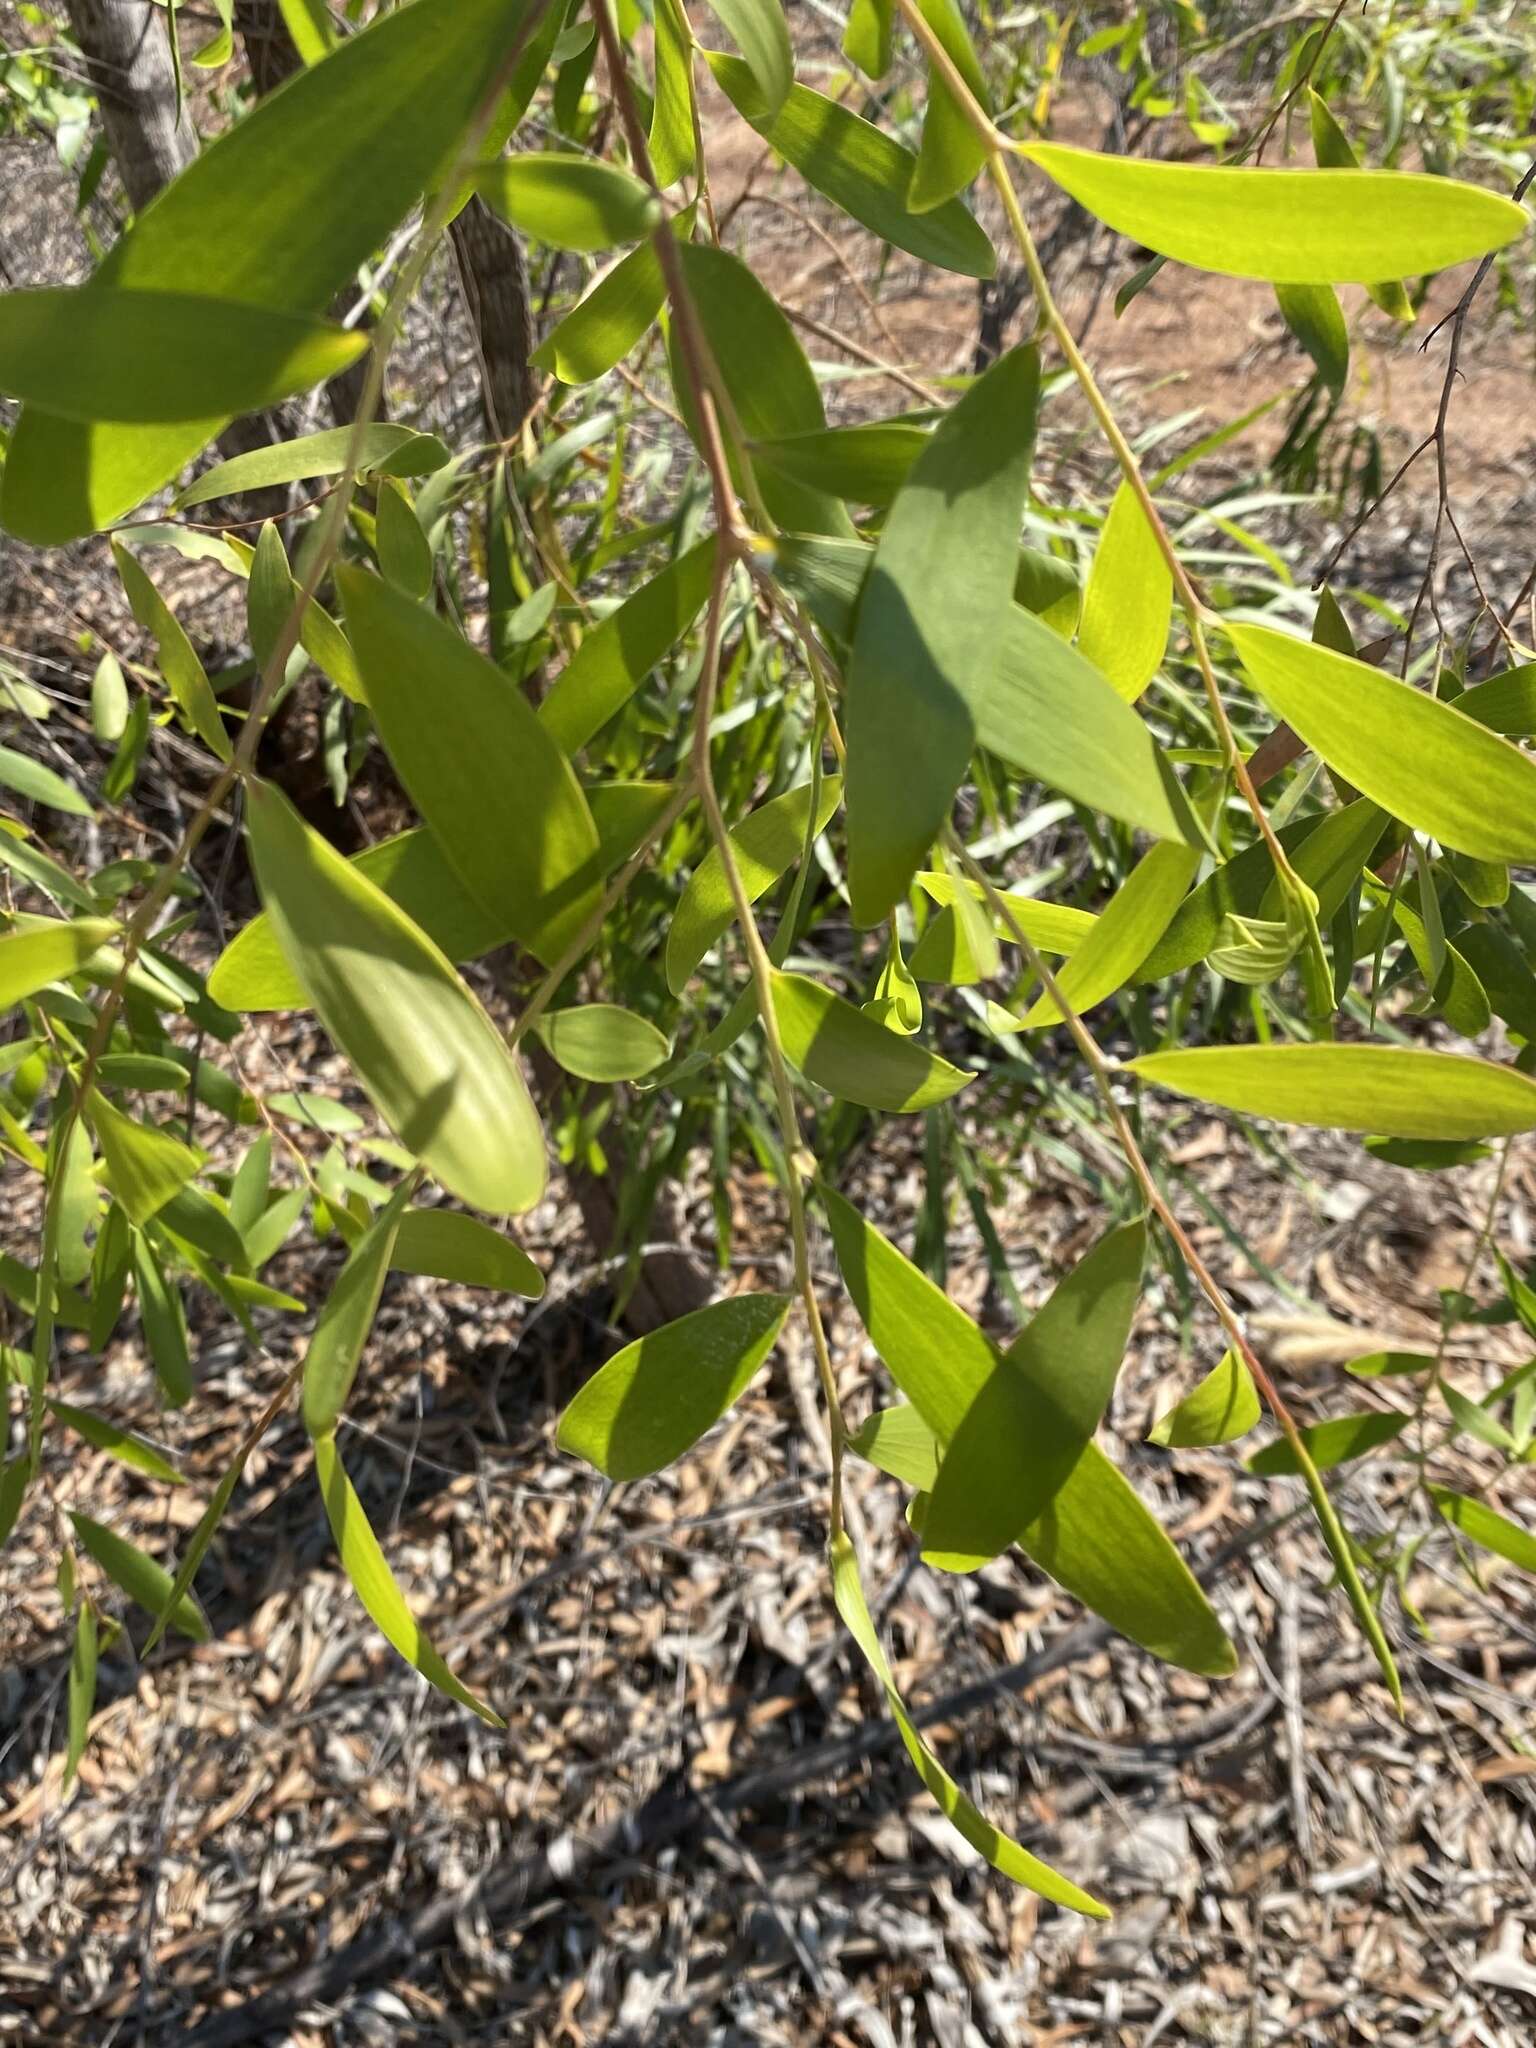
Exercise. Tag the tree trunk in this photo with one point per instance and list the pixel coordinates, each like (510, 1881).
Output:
(125, 44)
(494, 273)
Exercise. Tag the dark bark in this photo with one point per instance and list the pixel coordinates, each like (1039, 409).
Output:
(127, 53)
(493, 270)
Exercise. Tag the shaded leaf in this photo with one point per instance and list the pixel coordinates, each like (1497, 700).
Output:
(336, 1348)
(138, 1575)
(602, 1042)
(853, 1057)
(448, 1245)
(1331, 1443)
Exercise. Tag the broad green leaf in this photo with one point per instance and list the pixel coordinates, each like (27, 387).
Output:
(1037, 1411)
(404, 552)
(30, 959)
(765, 843)
(1096, 1538)
(760, 32)
(123, 1444)
(1128, 602)
(25, 857)
(165, 1322)
(1290, 227)
(934, 609)
(415, 873)
(852, 1056)
(1129, 926)
(448, 1245)
(1224, 1405)
(951, 152)
(382, 450)
(570, 202)
(436, 1067)
(1423, 760)
(1313, 314)
(605, 325)
(898, 1441)
(1393, 1091)
(1504, 974)
(374, 1583)
(82, 1689)
(1000, 1850)
(144, 1581)
(1505, 703)
(672, 141)
(341, 1330)
(860, 169)
(602, 1042)
(494, 788)
(656, 1398)
(278, 212)
(1331, 1443)
(615, 658)
(865, 464)
(184, 673)
(39, 784)
(87, 352)
(145, 1166)
(1486, 1527)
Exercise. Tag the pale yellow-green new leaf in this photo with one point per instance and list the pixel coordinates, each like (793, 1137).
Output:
(1134, 920)
(436, 1067)
(1290, 227)
(1388, 1091)
(374, 1583)
(30, 959)
(1422, 760)
(1128, 604)
(1224, 1405)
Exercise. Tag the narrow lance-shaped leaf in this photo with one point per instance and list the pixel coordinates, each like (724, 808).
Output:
(760, 32)
(765, 843)
(1130, 925)
(1331, 1443)
(672, 112)
(145, 1166)
(164, 1321)
(138, 1575)
(336, 1348)
(854, 1058)
(184, 673)
(1000, 1850)
(656, 1398)
(616, 657)
(1128, 602)
(1313, 314)
(449, 1245)
(1487, 1527)
(401, 544)
(82, 1689)
(951, 152)
(1335, 152)
(1224, 1405)
(386, 450)
(434, 1064)
(570, 202)
(934, 608)
(608, 322)
(123, 1444)
(374, 1583)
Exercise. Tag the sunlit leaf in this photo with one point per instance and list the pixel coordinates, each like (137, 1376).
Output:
(570, 202)
(145, 1166)
(673, 111)
(82, 1689)
(382, 449)
(952, 151)
(1486, 1527)
(1128, 601)
(1132, 922)
(760, 32)
(1222, 1406)
(853, 1057)
(615, 658)
(138, 1575)
(123, 1444)
(765, 843)
(336, 1348)
(1313, 314)
(30, 959)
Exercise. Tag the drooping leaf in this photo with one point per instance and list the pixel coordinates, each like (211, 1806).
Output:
(865, 464)
(616, 657)
(184, 673)
(1335, 152)
(853, 1057)
(1313, 314)
(195, 1219)
(30, 959)
(602, 1042)
(1000, 1850)
(39, 784)
(1331, 1443)
(934, 609)
(341, 1331)
(945, 953)
(164, 1320)
(1132, 922)
(123, 1444)
(605, 325)
(1419, 758)
(568, 201)
(145, 1166)
(951, 152)
(383, 450)
(1289, 227)
(765, 843)
(401, 543)
(82, 1689)
(138, 1575)
(89, 352)
(1037, 1410)
(898, 1441)
(656, 1398)
(448, 1245)
(1128, 601)
(1224, 1405)
(1505, 703)
(760, 32)
(374, 1583)
(1393, 1091)
(672, 142)
(436, 1067)
(868, 39)
(1486, 1527)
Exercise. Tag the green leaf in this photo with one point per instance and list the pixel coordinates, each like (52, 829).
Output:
(1313, 314)
(311, 26)
(672, 141)
(341, 1330)
(1475, 1421)
(602, 1042)
(944, 952)
(144, 1581)
(864, 464)
(1390, 1364)
(1423, 760)
(952, 151)
(1130, 925)
(766, 842)
(1000, 1850)
(123, 1444)
(185, 676)
(898, 1441)
(1128, 602)
(82, 1689)
(759, 31)
(30, 959)
(278, 212)
(109, 700)
(1037, 1410)
(435, 1066)
(868, 39)
(270, 595)
(40, 785)
(445, 1244)
(616, 657)
(1096, 1538)
(145, 1166)
(1335, 152)
(1290, 227)
(87, 353)
(1505, 703)
(1503, 972)
(382, 450)
(1398, 1092)
(605, 325)
(656, 1398)
(1223, 1406)
(1486, 1527)
(570, 202)
(853, 1057)
(896, 1002)
(1331, 1443)
(934, 608)
(374, 1583)
(191, 1216)
(860, 169)
(165, 1322)
(495, 789)
(404, 552)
